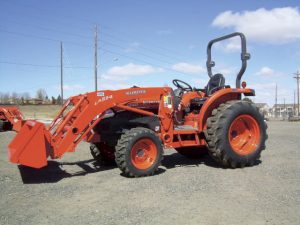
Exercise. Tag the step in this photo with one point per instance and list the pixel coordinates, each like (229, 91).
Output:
(185, 127)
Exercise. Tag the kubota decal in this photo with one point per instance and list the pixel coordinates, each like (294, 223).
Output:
(137, 92)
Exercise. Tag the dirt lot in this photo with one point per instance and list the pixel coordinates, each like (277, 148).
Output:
(39, 111)
(76, 190)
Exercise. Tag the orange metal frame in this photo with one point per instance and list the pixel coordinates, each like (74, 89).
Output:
(80, 114)
(12, 115)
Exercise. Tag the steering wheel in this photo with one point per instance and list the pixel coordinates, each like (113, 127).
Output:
(182, 85)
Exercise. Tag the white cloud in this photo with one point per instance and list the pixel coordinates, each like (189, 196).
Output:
(278, 25)
(268, 72)
(265, 92)
(120, 73)
(188, 68)
(232, 45)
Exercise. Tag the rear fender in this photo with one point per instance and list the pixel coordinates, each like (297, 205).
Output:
(218, 98)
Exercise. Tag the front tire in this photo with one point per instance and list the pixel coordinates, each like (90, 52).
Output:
(103, 153)
(236, 134)
(1, 125)
(139, 152)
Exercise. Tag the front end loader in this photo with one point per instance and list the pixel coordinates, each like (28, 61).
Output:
(10, 118)
(131, 127)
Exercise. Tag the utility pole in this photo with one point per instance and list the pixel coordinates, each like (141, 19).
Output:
(61, 73)
(297, 77)
(294, 114)
(284, 109)
(276, 101)
(96, 56)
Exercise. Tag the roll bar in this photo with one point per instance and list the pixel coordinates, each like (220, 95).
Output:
(244, 55)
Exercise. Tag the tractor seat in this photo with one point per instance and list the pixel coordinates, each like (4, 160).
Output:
(216, 82)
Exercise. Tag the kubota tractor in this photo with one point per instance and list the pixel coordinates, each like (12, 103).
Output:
(132, 126)
(10, 118)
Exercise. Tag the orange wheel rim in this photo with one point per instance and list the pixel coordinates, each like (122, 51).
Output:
(244, 135)
(143, 154)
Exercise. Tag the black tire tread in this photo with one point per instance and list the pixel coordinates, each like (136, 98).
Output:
(215, 123)
(1, 125)
(99, 155)
(121, 149)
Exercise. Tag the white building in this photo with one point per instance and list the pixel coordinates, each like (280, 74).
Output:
(283, 110)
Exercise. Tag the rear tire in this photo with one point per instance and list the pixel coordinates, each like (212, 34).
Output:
(1, 125)
(103, 153)
(139, 152)
(236, 134)
(192, 152)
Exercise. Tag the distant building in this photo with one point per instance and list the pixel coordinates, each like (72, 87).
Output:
(36, 101)
(283, 110)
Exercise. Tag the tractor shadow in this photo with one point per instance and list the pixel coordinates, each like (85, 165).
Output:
(176, 160)
(54, 171)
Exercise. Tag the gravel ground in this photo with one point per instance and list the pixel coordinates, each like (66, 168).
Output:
(75, 190)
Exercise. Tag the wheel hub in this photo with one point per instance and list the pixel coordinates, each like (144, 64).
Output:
(244, 135)
(140, 153)
(143, 154)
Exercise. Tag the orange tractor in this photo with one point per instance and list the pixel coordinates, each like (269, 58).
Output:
(10, 118)
(131, 127)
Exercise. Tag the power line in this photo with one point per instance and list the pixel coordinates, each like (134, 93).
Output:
(145, 55)
(113, 52)
(96, 58)
(276, 101)
(72, 43)
(143, 61)
(297, 77)
(49, 29)
(147, 48)
(53, 19)
(105, 33)
(42, 38)
(28, 35)
(89, 37)
(47, 84)
(41, 65)
(61, 73)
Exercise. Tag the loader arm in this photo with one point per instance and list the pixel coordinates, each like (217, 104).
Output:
(79, 115)
(13, 116)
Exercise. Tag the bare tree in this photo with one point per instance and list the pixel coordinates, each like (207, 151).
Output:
(53, 100)
(14, 97)
(58, 100)
(1, 98)
(5, 98)
(26, 96)
(41, 94)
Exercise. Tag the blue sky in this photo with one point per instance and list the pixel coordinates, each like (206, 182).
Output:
(146, 43)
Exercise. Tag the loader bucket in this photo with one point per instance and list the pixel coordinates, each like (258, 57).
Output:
(18, 125)
(30, 147)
